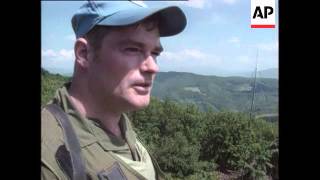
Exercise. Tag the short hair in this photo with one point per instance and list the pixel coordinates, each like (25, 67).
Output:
(96, 34)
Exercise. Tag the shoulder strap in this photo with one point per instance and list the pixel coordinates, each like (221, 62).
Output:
(71, 141)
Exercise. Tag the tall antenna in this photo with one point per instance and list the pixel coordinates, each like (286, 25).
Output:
(254, 86)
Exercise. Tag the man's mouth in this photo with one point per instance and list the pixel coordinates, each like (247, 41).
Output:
(142, 87)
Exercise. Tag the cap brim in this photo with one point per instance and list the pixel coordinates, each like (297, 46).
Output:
(172, 19)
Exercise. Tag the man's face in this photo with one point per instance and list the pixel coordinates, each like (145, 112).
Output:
(122, 74)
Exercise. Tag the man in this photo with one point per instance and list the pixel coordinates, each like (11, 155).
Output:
(85, 132)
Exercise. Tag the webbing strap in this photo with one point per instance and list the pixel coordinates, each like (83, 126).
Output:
(71, 141)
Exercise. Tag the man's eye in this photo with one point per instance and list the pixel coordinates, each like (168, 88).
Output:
(156, 53)
(133, 49)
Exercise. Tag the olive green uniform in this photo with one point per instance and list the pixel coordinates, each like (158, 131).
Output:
(101, 151)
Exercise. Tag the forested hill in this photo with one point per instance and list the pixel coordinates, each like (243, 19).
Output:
(207, 92)
(218, 93)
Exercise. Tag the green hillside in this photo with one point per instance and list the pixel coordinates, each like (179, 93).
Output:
(218, 93)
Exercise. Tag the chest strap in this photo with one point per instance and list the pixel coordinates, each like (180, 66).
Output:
(71, 142)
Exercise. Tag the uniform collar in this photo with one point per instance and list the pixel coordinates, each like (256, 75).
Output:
(90, 130)
(110, 142)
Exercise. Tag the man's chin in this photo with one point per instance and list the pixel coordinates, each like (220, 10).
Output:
(141, 102)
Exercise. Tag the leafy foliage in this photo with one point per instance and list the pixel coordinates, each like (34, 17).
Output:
(49, 84)
(235, 142)
(175, 129)
(188, 142)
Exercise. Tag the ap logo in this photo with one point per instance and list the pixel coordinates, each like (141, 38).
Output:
(263, 14)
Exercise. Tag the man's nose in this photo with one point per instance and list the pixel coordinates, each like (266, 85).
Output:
(150, 65)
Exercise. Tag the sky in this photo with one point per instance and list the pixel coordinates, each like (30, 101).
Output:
(217, 40)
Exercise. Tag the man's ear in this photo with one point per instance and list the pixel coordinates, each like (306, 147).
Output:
(81, 51)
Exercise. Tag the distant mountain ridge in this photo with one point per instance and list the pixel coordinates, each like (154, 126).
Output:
(211, 92)
(269, 73)
(266, 73)
(217, 93)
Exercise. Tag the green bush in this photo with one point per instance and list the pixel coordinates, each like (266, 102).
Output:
(170, 130)
(182, 138)
(49, 84)
(238, 143)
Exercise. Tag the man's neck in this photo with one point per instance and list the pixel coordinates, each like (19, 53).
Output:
(88, 108)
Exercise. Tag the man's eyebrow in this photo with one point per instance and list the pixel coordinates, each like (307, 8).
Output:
(158, 48)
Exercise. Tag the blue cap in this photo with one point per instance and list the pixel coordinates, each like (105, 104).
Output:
(172, 20)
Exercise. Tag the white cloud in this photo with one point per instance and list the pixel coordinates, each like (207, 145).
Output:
(49, 53)
(271, 46)
(169, 56)
(194, 54)
(234, 40)
(186, 54)
(66, 54)
(189, 59)
(61, 59)
(203, 62)
(63, 54)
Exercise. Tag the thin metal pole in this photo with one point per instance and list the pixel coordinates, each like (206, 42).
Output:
(254, 86)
